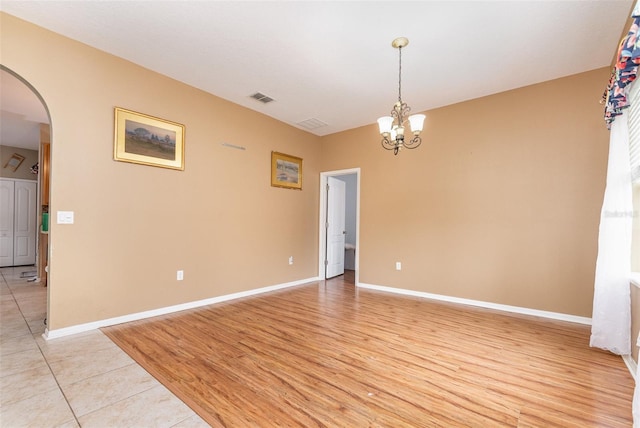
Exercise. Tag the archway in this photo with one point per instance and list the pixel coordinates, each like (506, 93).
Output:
(25, 127)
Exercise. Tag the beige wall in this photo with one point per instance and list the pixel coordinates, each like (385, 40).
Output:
(501, 202)
(24, 170)
(219, 220)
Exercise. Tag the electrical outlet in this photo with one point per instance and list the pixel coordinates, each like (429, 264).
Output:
(398, 266)
(180, 275)
(291, 260)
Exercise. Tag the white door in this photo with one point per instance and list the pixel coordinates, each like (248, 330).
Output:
(24, 223)
(18, 222)
(6, 222)
(336, 232)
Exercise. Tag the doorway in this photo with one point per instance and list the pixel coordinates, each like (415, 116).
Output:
(329, 242)
(25, 129)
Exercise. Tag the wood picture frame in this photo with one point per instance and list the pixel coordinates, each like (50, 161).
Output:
(14, 161)
(148, 140)
(286, 171)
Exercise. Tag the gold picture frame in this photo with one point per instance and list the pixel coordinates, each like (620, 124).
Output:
(14, 161)
(148, 140)
(286, 171)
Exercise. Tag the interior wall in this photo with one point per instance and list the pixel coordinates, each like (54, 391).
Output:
(24, 170)
(219, 220)
(501, 203)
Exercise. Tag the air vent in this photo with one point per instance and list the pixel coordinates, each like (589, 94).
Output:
(311, 124)
(261, 97)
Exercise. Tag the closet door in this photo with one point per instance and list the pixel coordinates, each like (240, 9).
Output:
(24, 223)
(6, 222)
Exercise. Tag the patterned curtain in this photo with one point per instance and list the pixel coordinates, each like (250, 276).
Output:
(624, 72)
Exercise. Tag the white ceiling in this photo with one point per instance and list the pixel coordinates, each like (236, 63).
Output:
(332, 60)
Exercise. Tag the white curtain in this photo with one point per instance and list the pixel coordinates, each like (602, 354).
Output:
(636, 395)
(611, 320)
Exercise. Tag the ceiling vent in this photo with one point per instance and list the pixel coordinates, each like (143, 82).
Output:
(261, 97)
(311, 124)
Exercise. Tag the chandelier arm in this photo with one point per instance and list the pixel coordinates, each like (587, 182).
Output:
(413, 143)
(387, 144)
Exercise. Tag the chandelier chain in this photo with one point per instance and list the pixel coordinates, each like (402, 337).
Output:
(400, 74)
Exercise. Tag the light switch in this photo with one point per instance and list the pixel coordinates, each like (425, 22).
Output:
(65, 217)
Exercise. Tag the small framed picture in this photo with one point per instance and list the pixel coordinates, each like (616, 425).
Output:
(286, 171)
(148, 140)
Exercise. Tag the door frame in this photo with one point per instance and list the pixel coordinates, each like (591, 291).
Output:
(322, 231)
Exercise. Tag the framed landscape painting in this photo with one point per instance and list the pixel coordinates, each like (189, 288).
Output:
(286, 171)
(148, 140)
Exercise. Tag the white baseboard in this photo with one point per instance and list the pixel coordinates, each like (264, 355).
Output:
(479, 303)
(80, 328)
(632, 366)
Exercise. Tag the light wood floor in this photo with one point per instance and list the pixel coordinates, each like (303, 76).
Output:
(328, 354)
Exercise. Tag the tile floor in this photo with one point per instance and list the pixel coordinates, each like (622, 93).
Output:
(82, 380)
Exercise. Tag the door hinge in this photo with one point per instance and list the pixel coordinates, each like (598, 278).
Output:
(326, 225)
(326, 262)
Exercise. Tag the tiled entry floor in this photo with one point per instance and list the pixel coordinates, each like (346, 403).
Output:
(81, 380)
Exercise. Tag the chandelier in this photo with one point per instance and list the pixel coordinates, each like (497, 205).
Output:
(392, 128)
